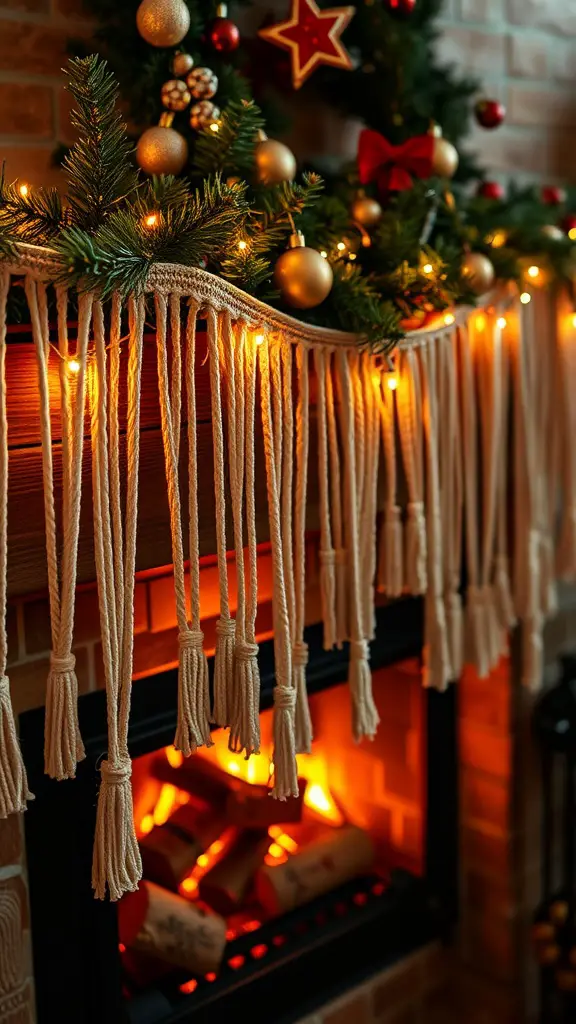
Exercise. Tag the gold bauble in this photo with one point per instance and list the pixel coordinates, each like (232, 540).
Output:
(182, 64)
(551, 231)
(174, 95)
(163, 22)
(303, 277)
(366, 211)
(161, 151)
(478, 272)
(275, 163)
(444, 158)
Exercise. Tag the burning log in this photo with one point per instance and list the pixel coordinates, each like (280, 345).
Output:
(170, 928)
(225, 886)
(170, 851)
(207, 784)
(322, 865)
(249, 806)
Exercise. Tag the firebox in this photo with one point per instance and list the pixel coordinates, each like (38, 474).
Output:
(248, 905)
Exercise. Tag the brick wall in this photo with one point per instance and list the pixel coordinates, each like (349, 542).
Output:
(524, 52)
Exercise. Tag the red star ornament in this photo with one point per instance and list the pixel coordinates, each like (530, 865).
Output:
(312, 36)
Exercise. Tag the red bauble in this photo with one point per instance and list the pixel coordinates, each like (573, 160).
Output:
(491, 190)
(224, 35)
(489, 113)
(569, 225)
(552, 195)
(405, 7)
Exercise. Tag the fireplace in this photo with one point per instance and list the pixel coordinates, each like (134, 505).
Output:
(399, 792)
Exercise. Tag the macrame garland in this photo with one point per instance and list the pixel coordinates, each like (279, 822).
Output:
(364, 714)
(327, 553)
(566, 330)
(244, 723)
(340, 553)
(438, 671)
(13, 782)
(409, 406)
(390, 562)
(63, 746)
(302, 720)
(502, 587)
(368, 512)
(451, 496)
(285, 768)
(116, 863)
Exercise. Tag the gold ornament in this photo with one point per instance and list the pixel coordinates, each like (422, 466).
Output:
(551, 231)
(478, 272)
(275, 163)
(175, 95)
(182, 64)
(303, 277)
(163, 22)
(444, 155)
(161, 150)
(366, 211)
(202, 83)
(203, 114)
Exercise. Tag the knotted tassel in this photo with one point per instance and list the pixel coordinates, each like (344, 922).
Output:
(416, 576)
(63, 746)
(328, 596)
(302, 720)
(245, 724)
(13, 782)
(548, 594)
(285, 768)
(503, 594)
(365, 717)
(116, 862)
(390, 568)
(193, 723)
(492, 633)
(455, 628)
(342, 596)
(223, 670)
(476, 644)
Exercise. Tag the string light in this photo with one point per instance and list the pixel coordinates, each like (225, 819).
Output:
(324, 254)
(572, 234)
(242, 244)
(375, 378)
(352, 256)
(341, 246)
(392, 381)
(525, 298)
(23, 190)
(214, 127)
(480, 322)
(498, 240)
(151, 220)
(427, 268)
(533, 271)
(501, 322)
(449, 319)
(573, 319)
(73, 366)
(259, 339)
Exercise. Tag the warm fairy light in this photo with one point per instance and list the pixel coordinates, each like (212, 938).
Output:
(242, 244)
(501, 322)
(427, 268)
(525, 298)
(73, 366)
(276, 851)
(165, 804)
(376, 378)
(271, 768)
(147, 824)
(203, 860)
(573, 319)
(189, 986)
(480, 322)
(259, 340)
(319, 800)
(174, 757)
(449, 319)
(215, 848)
(188, 886)
(352, 256)
(233, 766)
(392, 381)
(572, 234)
(23, 190)
(533, 271)
(214, 127)
(151, 220)
(498, 240)
(341, 246)
(324, 254)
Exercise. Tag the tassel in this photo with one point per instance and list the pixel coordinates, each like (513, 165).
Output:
(285, 768)
(63, 746)
(13, 782)
(548, 594)
(532, 653)
(455, 627)
(438, 668)
(390, 569)
(302, 719)
(192, 728)
(116, 862)
(503, 594)
(492, 633)
(476, 646)
(245, 722)
(365, 717)
(342, 632)
(223, 671)
(416, 576)
(328, 596)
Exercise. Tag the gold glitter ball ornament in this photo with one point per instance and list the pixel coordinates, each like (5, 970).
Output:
(203, 114)
(162, 151)
(275, 163)
(366, 211)
(163, 22)
(478, 272)
(303, 277)
(175, 96)
(182, 64)
(202, 83)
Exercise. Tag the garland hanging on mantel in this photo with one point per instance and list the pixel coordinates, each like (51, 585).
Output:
(423, 412)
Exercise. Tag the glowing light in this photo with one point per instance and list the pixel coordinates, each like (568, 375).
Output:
(259, 951)
(572, 234)
(151, 220)
(259, 340)
(427, 268)
(165, 804)
(498, 240)
(275, 851)
(242, 244)
(319, 800)
(121, 947)
(480, 322)
(501, 322)
(525, 298)
(233, 766)
(341, 246)
(392, 382)
(573, 319)
(202, 861)
(324, 254)
(375, 378)
(210, 976)
(23, 190)
(449, 319)
(147, 824)
(271, 768)
(174, 757)
(188, 886)
(275, 831)
(73, 366)
(236, 962)
(216, 847)
(288, 843)
(251, 926)
(533, 271)
(189, 986)
(352, 256)
(214, 127)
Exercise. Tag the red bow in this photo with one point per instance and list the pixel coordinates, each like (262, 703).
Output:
(392, 167)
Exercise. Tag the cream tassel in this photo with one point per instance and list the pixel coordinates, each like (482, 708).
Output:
(503, 599)
(327, 554)
(409, 408)
(249, 653)
(302, 720)
(455, 628)
(390, 569)
(116, 861)
(225, 626)
(416, 577)
(368, 512)
(340, 553)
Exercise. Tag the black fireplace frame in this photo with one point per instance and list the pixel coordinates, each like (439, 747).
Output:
(78, 977)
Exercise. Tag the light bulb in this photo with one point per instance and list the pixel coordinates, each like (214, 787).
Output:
(498, 240)
(259, 339)
(525, 298)
(324, 254)
(501, 321)
(214, 127)
(449, 318)
(341, 246)
(23, 190)
(352, 256)
(572, 234)
(533, 271)
(375, 378)
(242, 244)
(392, 382)
(74, 366)
(427, 268)
(573, 319)
(480, 322)
(151, 220)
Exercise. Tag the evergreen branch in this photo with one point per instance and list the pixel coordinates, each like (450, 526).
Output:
(34, 215)
(356, 305)
(230, 150)
(98, 167)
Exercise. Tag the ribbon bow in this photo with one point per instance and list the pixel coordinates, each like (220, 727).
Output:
(392, 167)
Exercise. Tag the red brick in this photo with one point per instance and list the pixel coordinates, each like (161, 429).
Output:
(32, 164)
(485, 800)
(26, 110)
(11, 836)
(551, 109)
(74, 9)
(490, 947)
(528, 56)
(41, 49)
(493, 897)
(482, 52)
(28, 681)
(31, 6)
(401, 781)
(485, 749)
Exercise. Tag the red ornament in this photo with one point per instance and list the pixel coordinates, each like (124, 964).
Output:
(312, 36)
(404, 7)
(224, 35)
(552, 195)
(491, 190)
(489, 113)
(569, 226)
(393, 167)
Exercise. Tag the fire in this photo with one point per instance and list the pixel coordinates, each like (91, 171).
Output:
(318, 799)
(189, 886)
(174, 757)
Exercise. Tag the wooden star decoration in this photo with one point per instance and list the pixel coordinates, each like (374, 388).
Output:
(312, 37)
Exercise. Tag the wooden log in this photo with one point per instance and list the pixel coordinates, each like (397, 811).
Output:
(170, 851)
(250, 806)
(225, 886)
(161, 924)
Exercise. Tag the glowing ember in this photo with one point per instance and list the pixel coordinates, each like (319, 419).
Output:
(287, 843)
(210, 976)
(189, 986)
(259, 951)
(121, 947)
(188, 886)
(165, 804)
(275, 851)
(147, 824)
(319, 800)
(174, 757)
(235, 962)
(251, 926)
